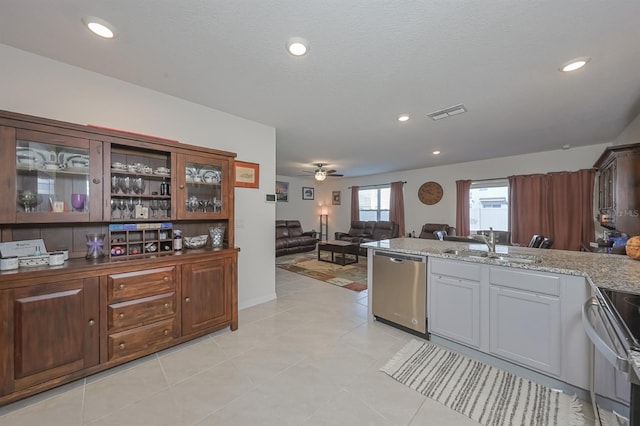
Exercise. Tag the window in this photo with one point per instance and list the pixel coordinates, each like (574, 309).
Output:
(489, 205)
(374, 203)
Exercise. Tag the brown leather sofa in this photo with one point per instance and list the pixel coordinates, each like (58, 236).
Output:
(366, 231)
(429, 230)
(291, 239)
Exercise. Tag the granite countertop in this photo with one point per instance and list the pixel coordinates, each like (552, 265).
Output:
(601, 270)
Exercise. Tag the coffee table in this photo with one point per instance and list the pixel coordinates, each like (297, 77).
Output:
(343, 248)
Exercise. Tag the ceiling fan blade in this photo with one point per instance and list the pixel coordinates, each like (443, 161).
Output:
(330, 171)
(335, 174)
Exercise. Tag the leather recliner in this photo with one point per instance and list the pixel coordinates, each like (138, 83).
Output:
(429, 229)
(291, 239)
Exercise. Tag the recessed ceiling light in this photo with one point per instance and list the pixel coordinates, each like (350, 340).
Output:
(403, 117)
(436, 152)
(575, 64)
(566, 146)
(297, 46)
(99, 27)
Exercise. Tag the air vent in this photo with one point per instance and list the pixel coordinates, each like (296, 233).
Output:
(447, 112)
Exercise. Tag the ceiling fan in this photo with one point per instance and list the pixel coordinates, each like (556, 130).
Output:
(320, 173)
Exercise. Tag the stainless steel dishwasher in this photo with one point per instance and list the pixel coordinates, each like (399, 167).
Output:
(399, 293)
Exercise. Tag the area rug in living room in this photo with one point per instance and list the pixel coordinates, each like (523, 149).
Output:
(481, 392)
(352, 277)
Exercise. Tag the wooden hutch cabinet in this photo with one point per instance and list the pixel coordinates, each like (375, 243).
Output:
(61, 182)
(619, 188)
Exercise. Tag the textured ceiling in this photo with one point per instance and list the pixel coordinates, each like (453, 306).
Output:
(369, 61)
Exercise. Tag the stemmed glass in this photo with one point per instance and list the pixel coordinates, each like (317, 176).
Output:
(122, 206)
(164, 207)
(114, 206)
(131, 206)
(153, 205)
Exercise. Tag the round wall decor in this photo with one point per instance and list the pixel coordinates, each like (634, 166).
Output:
(430, 193)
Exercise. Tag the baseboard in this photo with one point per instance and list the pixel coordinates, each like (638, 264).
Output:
(257, 300)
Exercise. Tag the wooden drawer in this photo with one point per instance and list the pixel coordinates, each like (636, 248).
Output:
(138, 312)
(141, 283)
(147, 338)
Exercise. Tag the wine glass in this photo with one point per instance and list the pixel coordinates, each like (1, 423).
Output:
(122, 206)
(115, 184)
(138, 185)
(164, 207)
(131, 205)
(114, 206)
(78, 200)
(153, 205)
(125, 184)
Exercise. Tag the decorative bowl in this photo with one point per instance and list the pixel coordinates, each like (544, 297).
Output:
(196, 242)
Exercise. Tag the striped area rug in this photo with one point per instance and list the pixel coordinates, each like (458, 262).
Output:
(481, 392)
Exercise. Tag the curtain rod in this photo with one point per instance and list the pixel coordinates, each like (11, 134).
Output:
(369, 186)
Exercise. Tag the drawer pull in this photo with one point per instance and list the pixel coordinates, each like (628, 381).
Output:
(166, 306)
(92, 323)
(121, 346)
(121, 316)
(181, 186)
(166, 332)
(121, 286)
(165, 279)
(96, 180)
(187, 299)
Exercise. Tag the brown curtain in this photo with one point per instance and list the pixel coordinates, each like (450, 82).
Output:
(396, 206)
(462, 207)
(555, 205)
(355, 203)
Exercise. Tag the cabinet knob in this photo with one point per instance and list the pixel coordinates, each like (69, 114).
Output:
(165, 279)
(166, 332)
(166, 306)
(121, 286)
(181, 186)
(121, 316)
(121, 346)
(187, 299)
(92, 323)
(96, 180)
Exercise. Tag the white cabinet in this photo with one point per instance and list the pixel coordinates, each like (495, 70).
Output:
(455, 293)
(528, 317)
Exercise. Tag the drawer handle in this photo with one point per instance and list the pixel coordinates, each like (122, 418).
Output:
(121, 286)
(165, 279)
(121, 346)
(166, 332)
(166, 306)
(92, 323)
(121, 316)
(187, 299)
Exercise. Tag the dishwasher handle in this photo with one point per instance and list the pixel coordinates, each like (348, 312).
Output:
(620, 363)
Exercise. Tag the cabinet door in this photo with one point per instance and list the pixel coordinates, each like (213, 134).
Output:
(525, 328)
(455, 309)
(58, 178)
(206, 295)
(203, 187)
(55, 330)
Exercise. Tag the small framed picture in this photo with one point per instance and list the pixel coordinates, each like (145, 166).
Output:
(307, 193)
(335, 198)
(247, 174)
(282, 191)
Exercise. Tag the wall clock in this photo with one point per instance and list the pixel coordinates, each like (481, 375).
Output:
(430, 193)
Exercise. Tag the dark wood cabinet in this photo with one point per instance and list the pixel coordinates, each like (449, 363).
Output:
(206, 294)
(55, 332)
(61, 323)
(619, 188)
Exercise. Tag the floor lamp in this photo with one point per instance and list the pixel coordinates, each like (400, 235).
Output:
(324, 223)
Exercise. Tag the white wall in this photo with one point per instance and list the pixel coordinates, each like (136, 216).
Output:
(306, 211)
(631, 134)
(416, 213)
(38, 86)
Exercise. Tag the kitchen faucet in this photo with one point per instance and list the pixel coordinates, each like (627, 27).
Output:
(489, 241)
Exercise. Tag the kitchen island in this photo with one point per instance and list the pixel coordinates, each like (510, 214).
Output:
(519, 307)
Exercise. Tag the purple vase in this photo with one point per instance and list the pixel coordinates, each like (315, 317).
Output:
(78, 200)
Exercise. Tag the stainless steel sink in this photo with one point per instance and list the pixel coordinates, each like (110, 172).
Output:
(499, 257)
(467, 253)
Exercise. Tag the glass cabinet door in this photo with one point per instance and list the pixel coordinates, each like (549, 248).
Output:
(202, 188)
(54, 180)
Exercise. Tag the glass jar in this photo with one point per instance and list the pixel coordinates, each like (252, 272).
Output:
(95, 244)
(216, 232)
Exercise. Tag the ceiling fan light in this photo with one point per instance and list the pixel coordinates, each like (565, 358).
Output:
(320, 175)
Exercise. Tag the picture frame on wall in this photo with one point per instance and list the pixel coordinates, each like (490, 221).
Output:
(247, 174)
(307, 193)
(282, 191)
(335, 198)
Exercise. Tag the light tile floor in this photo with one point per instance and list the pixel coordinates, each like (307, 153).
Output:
(308, 358)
